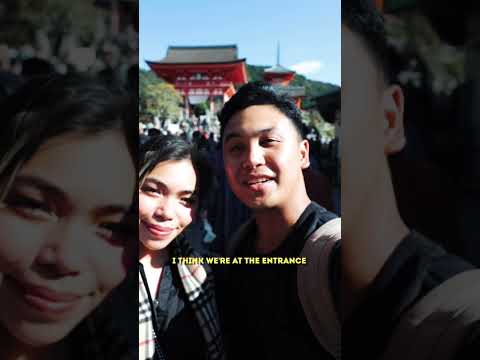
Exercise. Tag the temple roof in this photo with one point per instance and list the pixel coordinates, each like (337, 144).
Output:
(279, 69)
(200, 54)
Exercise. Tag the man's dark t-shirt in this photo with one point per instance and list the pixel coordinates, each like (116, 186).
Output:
(264, 317)
(416, 266)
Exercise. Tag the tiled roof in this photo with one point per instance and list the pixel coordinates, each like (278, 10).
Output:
(200, 54)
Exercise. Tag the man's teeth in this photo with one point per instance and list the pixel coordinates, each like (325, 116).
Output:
(258, 181)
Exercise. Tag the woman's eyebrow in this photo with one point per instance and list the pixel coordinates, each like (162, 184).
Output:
(41, 184)
(50, 189)
(162, 185)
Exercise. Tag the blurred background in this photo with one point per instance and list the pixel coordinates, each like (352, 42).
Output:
(435, 50)
(42, 36)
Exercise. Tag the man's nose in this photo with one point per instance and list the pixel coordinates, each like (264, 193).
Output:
(254, 156)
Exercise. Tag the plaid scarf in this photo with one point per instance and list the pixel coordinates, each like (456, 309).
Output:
(197, 281)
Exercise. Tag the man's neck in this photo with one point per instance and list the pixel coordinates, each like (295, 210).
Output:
(275, 224)
(370, 234)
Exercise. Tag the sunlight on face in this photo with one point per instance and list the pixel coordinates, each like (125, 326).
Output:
(263, 157)
(167, 202)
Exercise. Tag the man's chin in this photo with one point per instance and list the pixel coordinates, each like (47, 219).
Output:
(262, 204)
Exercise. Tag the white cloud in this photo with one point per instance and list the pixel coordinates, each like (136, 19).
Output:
(308, 68)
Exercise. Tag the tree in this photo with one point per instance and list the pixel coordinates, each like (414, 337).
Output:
(314, 120)
(157, 99)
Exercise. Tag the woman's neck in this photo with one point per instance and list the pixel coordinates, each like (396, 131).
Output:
(154, 259)
(12, 349)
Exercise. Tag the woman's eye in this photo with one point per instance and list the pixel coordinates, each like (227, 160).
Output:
(115, 230)
(31, 208)
(190, 201)
(150, 190)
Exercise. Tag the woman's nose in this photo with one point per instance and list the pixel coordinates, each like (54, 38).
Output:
(165, 209)
(66, 250)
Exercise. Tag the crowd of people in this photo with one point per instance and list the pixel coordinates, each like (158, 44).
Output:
(112, 57)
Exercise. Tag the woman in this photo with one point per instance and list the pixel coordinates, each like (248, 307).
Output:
(177, 315)
(67, 181)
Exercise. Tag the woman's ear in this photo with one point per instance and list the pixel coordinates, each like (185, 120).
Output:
(393, 129)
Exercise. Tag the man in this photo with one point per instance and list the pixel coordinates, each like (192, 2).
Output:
(267, 314)
(386, 267)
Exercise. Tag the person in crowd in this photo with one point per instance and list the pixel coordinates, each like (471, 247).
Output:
(178, 316)
(67, 184)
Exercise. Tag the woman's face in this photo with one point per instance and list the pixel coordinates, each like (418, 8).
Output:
(166, 203)
(61, 247)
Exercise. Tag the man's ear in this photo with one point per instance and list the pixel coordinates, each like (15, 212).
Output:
(394, 131)
(304, 154)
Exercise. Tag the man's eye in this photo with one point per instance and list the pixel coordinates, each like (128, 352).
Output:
(268, 142)
(235, 148)
(31, 208)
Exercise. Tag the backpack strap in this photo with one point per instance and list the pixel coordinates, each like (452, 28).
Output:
(314, 286)
(436, 325)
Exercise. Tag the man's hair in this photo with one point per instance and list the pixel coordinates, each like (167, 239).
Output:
(363, 19)
(260, 93)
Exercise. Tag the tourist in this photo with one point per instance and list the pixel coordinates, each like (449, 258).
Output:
(268, 312)
(177, 316)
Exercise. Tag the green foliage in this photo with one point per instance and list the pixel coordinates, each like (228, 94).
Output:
(157, 98)
(255, 73)
(314, 119)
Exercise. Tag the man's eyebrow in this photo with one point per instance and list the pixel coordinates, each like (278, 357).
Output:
(234, 134)
(162, 185)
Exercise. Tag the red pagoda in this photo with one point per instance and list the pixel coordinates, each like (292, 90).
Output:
(280, 78)
(202, 73)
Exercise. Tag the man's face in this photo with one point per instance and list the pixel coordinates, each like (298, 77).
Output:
(264, 157)
(372, 123)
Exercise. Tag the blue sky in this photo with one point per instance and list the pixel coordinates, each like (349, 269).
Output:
(308, 31)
